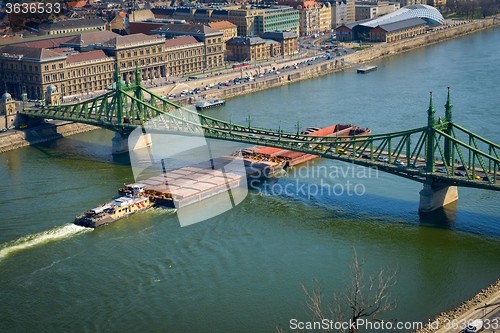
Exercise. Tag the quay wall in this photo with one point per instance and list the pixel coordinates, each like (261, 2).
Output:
(369, 54)
(14, 139)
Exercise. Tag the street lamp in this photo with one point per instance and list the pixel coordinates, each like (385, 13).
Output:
(297, 126)
(249, 119)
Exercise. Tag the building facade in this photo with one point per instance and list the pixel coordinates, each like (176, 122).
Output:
(370, 10)
(289, 41)
(184, 55)
(73, 25)
(393, 32)
(343, 12)
(314, 17)
(250, 20)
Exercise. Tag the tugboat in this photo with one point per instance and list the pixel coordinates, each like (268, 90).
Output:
(117, 209)
(213, 102)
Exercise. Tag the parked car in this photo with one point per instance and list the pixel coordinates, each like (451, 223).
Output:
(365, 156)
(442, 170)
(460, 174)
(3, 129)
(399, 163)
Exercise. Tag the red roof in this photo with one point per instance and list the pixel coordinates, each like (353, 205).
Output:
(180, 41)
(84, 56)
(48, 43)
(143, 27)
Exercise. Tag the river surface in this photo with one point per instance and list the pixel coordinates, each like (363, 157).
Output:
(241, 271)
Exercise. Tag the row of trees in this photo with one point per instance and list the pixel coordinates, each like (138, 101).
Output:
(470, 9)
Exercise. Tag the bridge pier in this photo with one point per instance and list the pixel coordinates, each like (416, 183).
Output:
(121, 143)
(435, 197)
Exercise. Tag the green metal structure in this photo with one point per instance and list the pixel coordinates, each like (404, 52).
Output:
(440, 154)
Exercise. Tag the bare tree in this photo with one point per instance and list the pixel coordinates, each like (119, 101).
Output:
(364, 299)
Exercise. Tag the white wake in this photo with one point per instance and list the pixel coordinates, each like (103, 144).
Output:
(63, 232)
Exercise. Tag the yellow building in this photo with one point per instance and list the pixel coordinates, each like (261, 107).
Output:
(184, 55)
(229, 29)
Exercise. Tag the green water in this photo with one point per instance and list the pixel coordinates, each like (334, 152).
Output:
(241, 271)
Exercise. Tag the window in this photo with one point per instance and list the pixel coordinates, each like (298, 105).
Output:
(46, 67)
(60, 66)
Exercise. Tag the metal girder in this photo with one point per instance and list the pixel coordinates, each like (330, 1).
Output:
(126, 107)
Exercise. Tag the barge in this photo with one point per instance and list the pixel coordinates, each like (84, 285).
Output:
(366, 69)
(213, 102)
(191, 184)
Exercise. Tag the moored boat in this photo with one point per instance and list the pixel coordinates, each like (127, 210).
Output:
(213, 102)
(367, 69)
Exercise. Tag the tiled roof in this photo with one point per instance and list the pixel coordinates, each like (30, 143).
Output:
(221, 25)
(187, 29)
(91, 38)
(74, 23)
(144, 27)
(85, 56)
(29, 52)
(48, 43)
(246, 41)
(280, 35)
(180, 41)
(123, 40)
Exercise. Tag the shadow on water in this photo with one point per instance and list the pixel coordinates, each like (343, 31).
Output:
(71, 149)
(442, 218)
(390, 210)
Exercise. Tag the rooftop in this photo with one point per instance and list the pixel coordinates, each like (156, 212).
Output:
(86, 56)
(180, 41)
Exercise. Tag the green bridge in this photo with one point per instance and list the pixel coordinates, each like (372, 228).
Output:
(442, 154)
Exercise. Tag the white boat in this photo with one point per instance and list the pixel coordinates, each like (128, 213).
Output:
(213, 102)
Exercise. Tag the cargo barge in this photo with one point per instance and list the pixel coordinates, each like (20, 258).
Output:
(188, 185)
(185, 186)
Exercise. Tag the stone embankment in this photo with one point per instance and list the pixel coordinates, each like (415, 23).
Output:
(465, 310)
(14, 139)
(330, 66)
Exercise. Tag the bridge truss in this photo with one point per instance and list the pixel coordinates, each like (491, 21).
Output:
(440, 153)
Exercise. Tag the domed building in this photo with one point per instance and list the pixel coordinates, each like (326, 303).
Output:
(6, 97)
(429, 14)
(405, 22)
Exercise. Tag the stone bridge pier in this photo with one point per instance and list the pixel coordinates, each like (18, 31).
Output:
(434, 197)
(122, 145)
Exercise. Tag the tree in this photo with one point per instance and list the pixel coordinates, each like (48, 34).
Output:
(364, 298)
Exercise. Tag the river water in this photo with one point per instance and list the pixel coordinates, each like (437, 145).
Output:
(242, 271)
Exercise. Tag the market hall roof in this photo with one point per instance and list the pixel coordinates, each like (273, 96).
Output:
(428, 13)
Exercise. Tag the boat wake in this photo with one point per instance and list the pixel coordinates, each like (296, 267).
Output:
(58, 233)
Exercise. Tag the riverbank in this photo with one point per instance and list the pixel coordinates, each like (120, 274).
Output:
(317, 68)
(484, 305)
(14, 139)
(324, 66)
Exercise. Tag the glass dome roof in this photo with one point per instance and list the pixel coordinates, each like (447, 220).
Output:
(428, 13)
